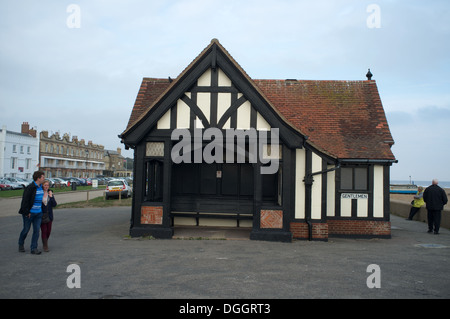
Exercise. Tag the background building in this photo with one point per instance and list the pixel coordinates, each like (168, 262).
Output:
(63, 157)
(116, 165)
(18, 152)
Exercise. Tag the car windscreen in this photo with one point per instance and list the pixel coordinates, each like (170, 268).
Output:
(115, 183)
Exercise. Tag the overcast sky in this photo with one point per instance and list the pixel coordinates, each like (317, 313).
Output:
(79, 72)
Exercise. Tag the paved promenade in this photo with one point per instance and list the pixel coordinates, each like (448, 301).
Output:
(413, 264)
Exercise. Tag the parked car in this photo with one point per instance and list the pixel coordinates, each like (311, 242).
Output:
(75, 180)
(19, 180)
(14, 185)
(82, 181)
(102, 180)
(54, 182)
(29, 180)
(116, 187)
(4, 186)
(71, 180)
(60, 181)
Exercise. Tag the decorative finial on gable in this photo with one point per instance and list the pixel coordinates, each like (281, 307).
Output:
(369, 75)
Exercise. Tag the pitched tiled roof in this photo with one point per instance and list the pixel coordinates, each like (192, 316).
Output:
(344, 119)
(151, 89)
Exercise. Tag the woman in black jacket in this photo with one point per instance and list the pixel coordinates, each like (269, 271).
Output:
(48, 202)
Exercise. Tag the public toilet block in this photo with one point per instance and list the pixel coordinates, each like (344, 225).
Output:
(333, 154)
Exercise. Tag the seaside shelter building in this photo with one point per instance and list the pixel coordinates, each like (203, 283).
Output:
(291, 159)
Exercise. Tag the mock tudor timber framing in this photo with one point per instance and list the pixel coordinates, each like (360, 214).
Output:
(309, 178)
(288, 135)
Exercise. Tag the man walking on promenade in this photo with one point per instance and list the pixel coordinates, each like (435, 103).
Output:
(435, 198)
(31, 210)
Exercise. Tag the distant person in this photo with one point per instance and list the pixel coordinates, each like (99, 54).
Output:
(31, 210)
(48, 202)
(416, 203)
(435, 198)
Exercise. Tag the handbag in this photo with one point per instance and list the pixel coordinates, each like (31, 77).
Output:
(45, 216)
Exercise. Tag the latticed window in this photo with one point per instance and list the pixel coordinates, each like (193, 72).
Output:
(154, 149)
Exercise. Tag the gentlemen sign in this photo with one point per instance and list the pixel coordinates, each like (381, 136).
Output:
(354, 196)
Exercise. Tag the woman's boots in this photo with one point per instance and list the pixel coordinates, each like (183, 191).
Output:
(45, 244)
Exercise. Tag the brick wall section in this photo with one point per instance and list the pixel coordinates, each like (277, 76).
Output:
(271, 219)
(366, 228)
(359, 227)
(151, 215)
(300, 230)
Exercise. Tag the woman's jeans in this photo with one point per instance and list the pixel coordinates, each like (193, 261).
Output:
(35, 220)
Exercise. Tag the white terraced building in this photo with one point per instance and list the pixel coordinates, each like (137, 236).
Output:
(19, 152)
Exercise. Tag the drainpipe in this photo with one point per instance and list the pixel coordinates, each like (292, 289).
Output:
(309, 180)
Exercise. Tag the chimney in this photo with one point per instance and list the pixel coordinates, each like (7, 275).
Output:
(25, 128)
(119, 150)
(32, 132)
